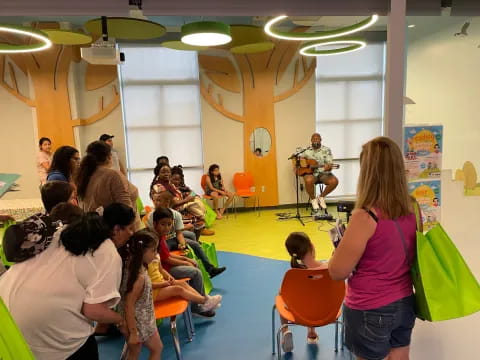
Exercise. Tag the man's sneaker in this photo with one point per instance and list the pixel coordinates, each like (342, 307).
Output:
(321, 201)
(204, 314)
(211, 303)
(216, 271)
(315, 206)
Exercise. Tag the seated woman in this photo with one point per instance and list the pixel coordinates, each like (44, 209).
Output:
(193, 213)
(216, 189)
(162, 182)
(56, 296)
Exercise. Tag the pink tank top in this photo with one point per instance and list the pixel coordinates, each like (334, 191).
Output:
(382, 275)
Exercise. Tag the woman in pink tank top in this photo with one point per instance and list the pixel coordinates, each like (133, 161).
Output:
(379, 307)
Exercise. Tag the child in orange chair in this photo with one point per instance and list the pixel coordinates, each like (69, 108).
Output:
(302, 252)
(215, 188)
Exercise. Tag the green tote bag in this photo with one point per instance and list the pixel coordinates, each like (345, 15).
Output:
(211, 252)
(210, 215)
(12, 343)
(207, 282)
(445, 288)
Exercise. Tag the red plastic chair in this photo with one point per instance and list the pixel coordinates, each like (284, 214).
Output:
(308, 298)
(243, 183)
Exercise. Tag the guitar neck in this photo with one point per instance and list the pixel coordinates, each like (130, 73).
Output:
(334, 166)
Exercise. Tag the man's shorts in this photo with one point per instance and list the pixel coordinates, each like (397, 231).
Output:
(322, 177)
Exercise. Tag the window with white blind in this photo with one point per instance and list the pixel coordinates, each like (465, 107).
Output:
(161, 109)
(349, 107)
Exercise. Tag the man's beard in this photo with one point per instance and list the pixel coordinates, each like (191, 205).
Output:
(316, 145)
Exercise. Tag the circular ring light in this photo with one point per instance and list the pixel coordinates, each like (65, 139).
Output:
(319, 35)
(206, 33)
(351, 44)
(43, 44)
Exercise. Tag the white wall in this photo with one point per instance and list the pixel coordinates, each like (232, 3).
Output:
(86, 103)
(443, 78)
(18, 145)
(453, 339)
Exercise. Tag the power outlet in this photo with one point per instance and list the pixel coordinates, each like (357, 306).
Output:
(263, 188)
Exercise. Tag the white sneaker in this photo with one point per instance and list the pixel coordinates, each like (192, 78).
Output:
(212, 302)
(315, 204)
(322, 202)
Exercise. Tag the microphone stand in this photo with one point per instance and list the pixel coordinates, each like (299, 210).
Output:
(297, 166)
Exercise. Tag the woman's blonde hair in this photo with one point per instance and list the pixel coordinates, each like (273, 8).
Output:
(382, 182)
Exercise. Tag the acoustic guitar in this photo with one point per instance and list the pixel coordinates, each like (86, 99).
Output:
(308, 166)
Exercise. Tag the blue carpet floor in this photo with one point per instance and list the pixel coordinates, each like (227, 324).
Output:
(242, 327)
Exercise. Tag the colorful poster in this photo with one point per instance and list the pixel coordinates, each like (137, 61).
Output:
(428, 195)
(423, 147)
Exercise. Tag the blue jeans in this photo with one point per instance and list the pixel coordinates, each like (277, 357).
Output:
(371, 334)
(195, 245)
(196, 280)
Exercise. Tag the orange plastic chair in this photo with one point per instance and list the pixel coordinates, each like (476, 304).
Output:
(171, 308)
(243, 182)
(308, 298)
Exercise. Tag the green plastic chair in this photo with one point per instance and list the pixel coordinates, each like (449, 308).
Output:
(12, 343)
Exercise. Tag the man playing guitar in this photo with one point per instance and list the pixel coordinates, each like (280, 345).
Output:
(321, 172)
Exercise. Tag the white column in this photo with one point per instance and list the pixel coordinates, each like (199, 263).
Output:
(395, 72)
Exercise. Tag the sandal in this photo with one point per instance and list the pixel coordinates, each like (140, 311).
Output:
(287, 341)
(312, 341)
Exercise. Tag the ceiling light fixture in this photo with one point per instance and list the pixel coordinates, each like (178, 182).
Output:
(43, 44)
(206, 33)
(411, 25)
(352, 44)
(318, 35)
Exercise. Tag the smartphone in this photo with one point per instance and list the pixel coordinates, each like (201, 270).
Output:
(336, 233)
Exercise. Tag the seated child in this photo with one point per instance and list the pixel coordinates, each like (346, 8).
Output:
(302, 252)
(215, 188)
(165, 286)
(176, 240)
(179, 267)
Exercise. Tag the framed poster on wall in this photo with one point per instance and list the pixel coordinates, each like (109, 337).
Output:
(423, 147)
(428, 195)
